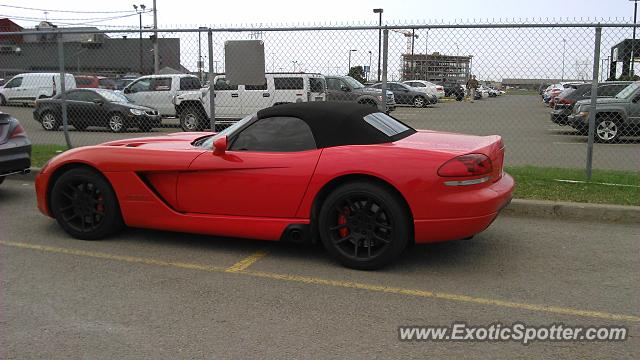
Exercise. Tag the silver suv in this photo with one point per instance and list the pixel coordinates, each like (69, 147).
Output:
(615, 117)
(348, 89)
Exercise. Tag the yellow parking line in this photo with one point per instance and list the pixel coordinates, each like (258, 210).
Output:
(241, 266)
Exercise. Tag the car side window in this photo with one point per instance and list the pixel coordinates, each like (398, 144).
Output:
(610, 90)
(333, 84)
(162, 84)
(141, 85)
(74, 96)
(189, 83)
(257, 87)
(275, 134)
(15, 82)
(417, 84)
(223, 84)
(288, 83)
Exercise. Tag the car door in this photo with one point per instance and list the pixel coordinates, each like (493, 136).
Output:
(160, 96)
(139, 91)
(265, 172)
(227, 97)
(334, 93)
(255, 97)
(400, 93)
(9, 91)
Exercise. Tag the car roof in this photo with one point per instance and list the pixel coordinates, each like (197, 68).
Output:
(334, 123)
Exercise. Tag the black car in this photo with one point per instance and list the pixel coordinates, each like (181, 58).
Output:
(566, 100)
(15, 147)
(405, 94)
(96, 107)
(453, 89)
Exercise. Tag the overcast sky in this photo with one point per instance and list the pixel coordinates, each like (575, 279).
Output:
(171, 12)
(497, 53)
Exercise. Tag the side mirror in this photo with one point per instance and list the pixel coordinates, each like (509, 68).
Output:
(220, 146)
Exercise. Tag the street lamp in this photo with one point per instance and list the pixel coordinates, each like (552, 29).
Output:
(379, 12)
(564, 46)
(200, 62)
(141, 8)
(369, 72)
(294, 62)
(633, 42)
(349, 67)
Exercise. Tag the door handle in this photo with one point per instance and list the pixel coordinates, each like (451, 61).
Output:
(266, 94)
(234, 95)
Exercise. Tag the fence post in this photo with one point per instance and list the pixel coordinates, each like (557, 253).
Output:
(63, 97)
(212, 95)
(385, 53)
(594, 98)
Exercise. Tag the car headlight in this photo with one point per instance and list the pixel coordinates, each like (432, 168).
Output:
(136, 111)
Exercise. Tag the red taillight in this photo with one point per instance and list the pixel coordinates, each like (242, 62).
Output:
(17, 131)
(466, 165)
(566, 101)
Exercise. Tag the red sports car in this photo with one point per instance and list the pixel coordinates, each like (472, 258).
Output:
(360, 181)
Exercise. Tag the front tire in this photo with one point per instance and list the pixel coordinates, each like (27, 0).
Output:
(363, 225)
(191, 120)
(85, 205)
(607, 131)
(419, 102)
(49, 121)
(116, 123)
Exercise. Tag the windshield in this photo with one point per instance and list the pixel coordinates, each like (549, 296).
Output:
(113, 96)
(628, 91)
(207, 143)
(355, 84)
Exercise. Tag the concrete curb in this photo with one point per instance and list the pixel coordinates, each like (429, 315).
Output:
(534, 208)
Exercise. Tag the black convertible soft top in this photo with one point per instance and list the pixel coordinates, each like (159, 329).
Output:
(337, 123)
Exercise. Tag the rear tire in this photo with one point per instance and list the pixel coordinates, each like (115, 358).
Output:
(85, 205)
(419, 102)
(363, 225)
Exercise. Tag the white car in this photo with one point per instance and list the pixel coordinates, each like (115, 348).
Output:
(160, 91)
(233, 102)
(29, 87)
(426, 87)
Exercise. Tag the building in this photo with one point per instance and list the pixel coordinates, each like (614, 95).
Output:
(436, 67)
(534, 84)
(7, 25)
(85, 53)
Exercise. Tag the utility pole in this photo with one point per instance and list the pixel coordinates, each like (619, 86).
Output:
(564, 46)
(349, 66)
(379, 12)
(156, 55)
(142, 7)
(633, 41)
(426, 57)
(369, 72)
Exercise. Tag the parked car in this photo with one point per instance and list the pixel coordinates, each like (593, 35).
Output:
(295, 172)
(27, 88)
(15, 147)
(565, 101)
(160, 91)
(233, 102)
(96, 107)
(95, 82)
(348, 89)
(426, 87)
(407, 95)
(615, 116)
(454, 90)
(555, 90)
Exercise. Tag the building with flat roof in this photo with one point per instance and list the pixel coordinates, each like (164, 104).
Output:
(436, 67)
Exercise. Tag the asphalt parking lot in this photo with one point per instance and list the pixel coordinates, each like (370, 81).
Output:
(522, 120)
(149, 294)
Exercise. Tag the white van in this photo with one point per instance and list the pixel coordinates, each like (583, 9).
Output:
(27, 88)
(233, 102)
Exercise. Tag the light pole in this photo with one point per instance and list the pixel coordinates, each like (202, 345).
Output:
(200, 62)
(349, 66)
(633, 41)
(294, 62)
(426, 57)
(379, 12)
(369, 72)
(564, 47)
(141, 7)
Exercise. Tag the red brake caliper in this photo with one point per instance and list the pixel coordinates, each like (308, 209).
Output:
(342, 219)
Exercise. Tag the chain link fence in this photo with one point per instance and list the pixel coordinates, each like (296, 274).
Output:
(560, 95)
